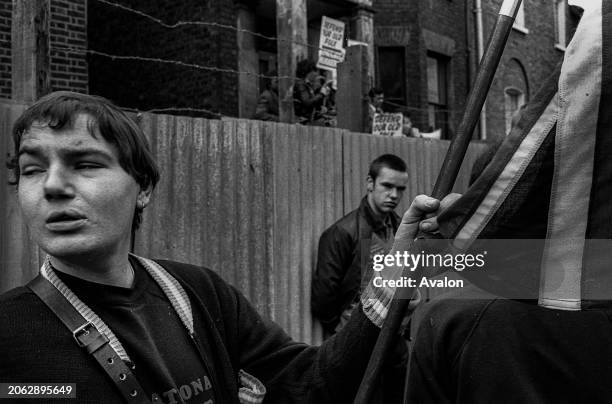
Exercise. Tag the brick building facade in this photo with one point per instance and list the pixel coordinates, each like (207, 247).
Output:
(425, 53)
(141, 56)
(435, 43)
(5, 48)
(78, 25)
(67, 42)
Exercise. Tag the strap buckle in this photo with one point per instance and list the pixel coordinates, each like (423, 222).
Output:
(82, 331)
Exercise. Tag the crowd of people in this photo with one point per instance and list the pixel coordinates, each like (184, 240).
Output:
(314, 100)
(313, 97)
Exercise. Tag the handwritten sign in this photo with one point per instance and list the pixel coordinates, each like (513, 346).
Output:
(388, 124)
(331, 41)
(332, 34)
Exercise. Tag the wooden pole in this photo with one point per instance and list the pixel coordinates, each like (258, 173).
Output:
(292, 33)
(444, 184)
(363, 21)
(30, 50)
(353, 87)
(247, 62)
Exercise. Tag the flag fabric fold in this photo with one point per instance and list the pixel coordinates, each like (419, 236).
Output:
(551, 180)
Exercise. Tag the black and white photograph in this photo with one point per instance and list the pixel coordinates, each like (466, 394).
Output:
(305, 201)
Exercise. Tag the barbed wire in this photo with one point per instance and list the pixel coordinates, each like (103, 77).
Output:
(182, 23)
(450, 111)
(170, 61)
(139, 112)
(213, 69)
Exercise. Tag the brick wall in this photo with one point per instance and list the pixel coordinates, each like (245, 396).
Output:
(534, 52)
(67, 30)
(148, 85)
(5, 48)
(396, 24)
(447, 19)
(442, 19)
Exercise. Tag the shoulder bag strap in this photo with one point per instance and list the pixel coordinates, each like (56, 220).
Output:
(89, 338)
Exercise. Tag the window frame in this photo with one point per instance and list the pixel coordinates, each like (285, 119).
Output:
(441, 105)
(388, 97)
(508, 93)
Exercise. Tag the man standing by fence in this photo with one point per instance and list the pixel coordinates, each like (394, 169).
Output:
(109, 326)
(346, 248)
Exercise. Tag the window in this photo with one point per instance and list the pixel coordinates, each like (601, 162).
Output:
(392, 76)
(519, 21)
(437, 94)
(560, 23)
(514, 99)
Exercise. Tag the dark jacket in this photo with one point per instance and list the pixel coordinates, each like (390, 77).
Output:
(36, 347)
(267, 106)
(306, 101)
(494, 350)
(343, 252)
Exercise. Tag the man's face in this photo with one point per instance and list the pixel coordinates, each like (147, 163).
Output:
(313, 79)
(385, 193)
(76, 199)
(378, 100)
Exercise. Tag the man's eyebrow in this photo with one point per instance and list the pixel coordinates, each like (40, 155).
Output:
(391, 184)
(85, 152)
(67, 152)
(33, 150)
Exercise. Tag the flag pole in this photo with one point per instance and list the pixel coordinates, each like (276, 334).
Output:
(444, 184)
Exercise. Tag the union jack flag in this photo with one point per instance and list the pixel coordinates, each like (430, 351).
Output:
(551, 180)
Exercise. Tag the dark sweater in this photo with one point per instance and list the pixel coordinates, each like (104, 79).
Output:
(168, 364)
(506, 351)
(36, 347)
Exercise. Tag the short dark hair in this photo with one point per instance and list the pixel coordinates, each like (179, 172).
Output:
(59, 110)
(390, 161)
(304, 67)
(374, 91)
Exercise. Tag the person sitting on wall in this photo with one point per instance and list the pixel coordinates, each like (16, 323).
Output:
(267, 106)
(408, 128)
(376, 98)
(309, 93)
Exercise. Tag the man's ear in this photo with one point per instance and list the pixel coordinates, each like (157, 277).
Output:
(369, 183)
(144, 196)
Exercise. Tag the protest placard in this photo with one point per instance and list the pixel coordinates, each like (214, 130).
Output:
(331, 41)
(388, 124)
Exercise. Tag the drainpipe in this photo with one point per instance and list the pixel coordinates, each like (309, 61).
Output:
(480, 48)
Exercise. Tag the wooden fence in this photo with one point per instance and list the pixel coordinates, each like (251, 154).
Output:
(248, 199)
